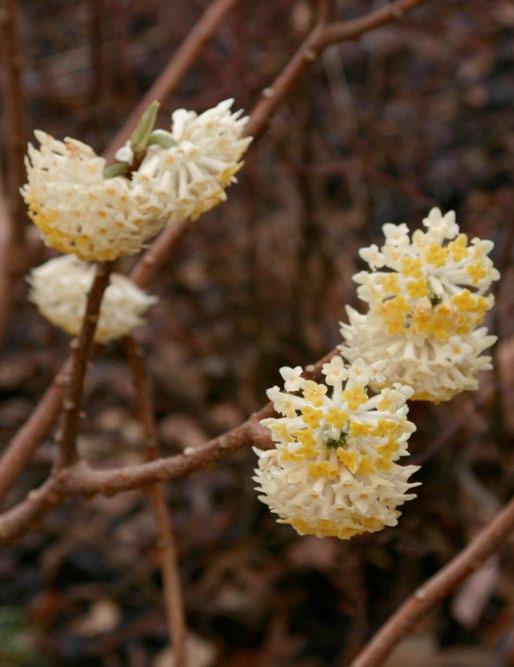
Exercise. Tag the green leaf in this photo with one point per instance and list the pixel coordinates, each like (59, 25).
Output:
(140, 136)
(116, 169)
(161, 138)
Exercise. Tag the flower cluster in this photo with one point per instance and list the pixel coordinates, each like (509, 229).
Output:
(59, 289)
(203, 155)
(427, 299)
(76, 209)
(334, 470)
(183, 173)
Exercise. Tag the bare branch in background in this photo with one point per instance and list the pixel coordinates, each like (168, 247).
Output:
(6, 276)
(12, 237)
(180, 63)
(165, 535)
(15, 111)
(95, 22)
(321, 37)
(437, 588)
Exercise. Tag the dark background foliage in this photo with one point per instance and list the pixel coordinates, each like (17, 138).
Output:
(414, 115)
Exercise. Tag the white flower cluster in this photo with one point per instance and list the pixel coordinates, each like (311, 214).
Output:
(426, 301)
(76, 209)
(334, 469)
(59, 289)
(203, 157)
(183, 174)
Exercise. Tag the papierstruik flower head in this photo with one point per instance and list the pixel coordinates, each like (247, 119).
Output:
(427, 299)
(78, 210)
(186, 171)
(334, 471)
(182, 174)
(59, 289)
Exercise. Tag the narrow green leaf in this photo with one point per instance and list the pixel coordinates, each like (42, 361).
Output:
(116, 169)
(161, 138)
(139, 138)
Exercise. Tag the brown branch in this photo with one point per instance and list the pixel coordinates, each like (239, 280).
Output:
(6, 276)
(437, 588)
(165, 535)
(275, 94)
(177, 68)
(96, 52)
(157, 254)
(81, 349)
(21, 447)
(318, 40)
(343, 31)
(80, 479)
(12, 239)
(26, 440)
(15, 111)
(38, 502)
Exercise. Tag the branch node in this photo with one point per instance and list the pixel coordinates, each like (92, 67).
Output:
(223, 443)
(310, 56)
(420, 594)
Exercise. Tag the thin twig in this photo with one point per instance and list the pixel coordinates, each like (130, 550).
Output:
(157, 253)
(275, 94)
(21, 447)
(96, 49)
(503, 263)
(437, 588)
(12, 240)
(316, 42)
(165, 534)
(6, 276)
(179, 65)
(81, 348)
(15, 111)
(343, 31)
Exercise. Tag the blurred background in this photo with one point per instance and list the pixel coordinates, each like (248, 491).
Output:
(414, 115)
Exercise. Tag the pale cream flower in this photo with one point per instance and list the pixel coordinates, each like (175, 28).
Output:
(188, 172)
(78, 210)
(292, 377)
(427, 299)
(334, 470)
(59, 289)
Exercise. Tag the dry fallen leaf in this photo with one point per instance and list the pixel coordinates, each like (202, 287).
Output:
(200, 653)
(103, 616)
